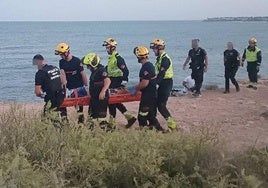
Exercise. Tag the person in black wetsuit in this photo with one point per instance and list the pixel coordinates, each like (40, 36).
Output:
(48, 85)
(99, 83)
(199, 65)
(73, 74)
(232, 60)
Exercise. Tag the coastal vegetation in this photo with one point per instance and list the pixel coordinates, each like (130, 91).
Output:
(39, 153)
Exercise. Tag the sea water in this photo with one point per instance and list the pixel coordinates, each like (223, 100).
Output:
(20, 41)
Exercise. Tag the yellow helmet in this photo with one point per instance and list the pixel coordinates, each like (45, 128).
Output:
(253, 40)
(91, 59)
(110, 41)
(141, 51)
(62, 48)
(157, 43)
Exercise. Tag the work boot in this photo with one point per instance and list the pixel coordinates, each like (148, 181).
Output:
(81, 118)
(104, 125)
(130, 120)
(171, 123)
(112, 124)
(90, 123)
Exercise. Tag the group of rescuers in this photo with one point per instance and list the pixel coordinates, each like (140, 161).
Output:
(156, 81)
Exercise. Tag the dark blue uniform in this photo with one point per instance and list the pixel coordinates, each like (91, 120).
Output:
(74, 78)
(147, 108)
(49, 79)
(231, 64)
(98, 107)
(197, 65)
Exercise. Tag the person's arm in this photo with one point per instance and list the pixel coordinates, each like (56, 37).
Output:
(123, 67)
(38, 91)
(63, 77)
(84, 77)
(239, 59)
(244, 56)
(39, 81)
(106, 86)
(259, 58)
(143, 84)
(186, 62)
(206, 61)
(163, 69)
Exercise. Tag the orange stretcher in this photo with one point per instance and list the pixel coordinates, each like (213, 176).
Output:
(119, 96)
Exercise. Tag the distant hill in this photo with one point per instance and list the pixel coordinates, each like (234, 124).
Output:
(233, 19)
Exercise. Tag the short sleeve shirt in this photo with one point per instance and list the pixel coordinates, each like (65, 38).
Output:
(197, 56)
(49, 79)
(147, 72)
(73, 71)
(96, 82)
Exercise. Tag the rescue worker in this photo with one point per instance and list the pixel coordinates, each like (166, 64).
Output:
(48, 85)
(118, 73)
(147, 86)
(232, 60)
(99, 83)
(199, 65)
(164, 72)
(252, 54)
(73, 74)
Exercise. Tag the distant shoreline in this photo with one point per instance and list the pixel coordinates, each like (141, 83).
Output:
(239, 19)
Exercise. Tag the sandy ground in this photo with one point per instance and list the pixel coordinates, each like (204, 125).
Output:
(241, 119)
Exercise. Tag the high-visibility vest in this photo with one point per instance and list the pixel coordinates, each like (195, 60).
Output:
(112, 68)
(251, 56)
(169, 73)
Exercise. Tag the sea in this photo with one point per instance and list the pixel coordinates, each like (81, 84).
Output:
(20, 41)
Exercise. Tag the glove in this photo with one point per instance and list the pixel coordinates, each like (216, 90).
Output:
(132, 90)
(124, 83)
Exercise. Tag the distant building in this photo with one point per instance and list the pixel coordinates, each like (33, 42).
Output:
(240, 19)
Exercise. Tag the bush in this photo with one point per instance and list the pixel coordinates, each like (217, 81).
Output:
(33, 153)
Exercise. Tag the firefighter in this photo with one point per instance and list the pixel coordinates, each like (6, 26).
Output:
(73, 74)
(99, 83)
(118, 74)
(164, 72)
(252, 54)
(147, 86)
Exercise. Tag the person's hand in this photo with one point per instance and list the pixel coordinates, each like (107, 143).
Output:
(205, 68)
(258, 68)
(102, 95)
(132, 90)
(124, 83)
(184, 66)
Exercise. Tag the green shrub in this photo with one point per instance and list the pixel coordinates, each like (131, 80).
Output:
(33, 153)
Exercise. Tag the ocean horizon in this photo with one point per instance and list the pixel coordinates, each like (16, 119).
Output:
(21, 40)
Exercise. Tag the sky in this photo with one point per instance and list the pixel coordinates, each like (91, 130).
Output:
(110, 10)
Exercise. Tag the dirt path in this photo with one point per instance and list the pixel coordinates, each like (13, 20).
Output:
(241, 118)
